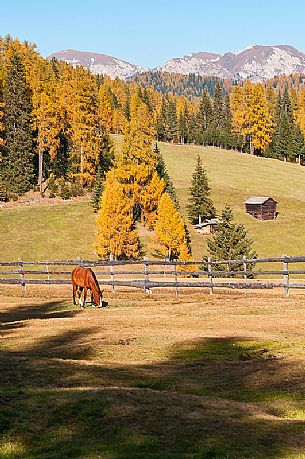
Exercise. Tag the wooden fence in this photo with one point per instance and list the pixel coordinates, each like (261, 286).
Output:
(149, 274)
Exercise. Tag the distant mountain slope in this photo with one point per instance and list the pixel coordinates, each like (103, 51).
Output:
(258, 63)
(98, 63)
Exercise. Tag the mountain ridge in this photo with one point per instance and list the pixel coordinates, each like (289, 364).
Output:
(256, 62)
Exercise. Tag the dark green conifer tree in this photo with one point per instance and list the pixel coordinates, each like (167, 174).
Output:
(17, 168)
(288, 140)
(163, 173)
(97, 190)
(161, 122)
(200, 203)
(230, 242)
(204, 120)
(217, 116)
(183, 126)
(227, 136)
(172, 132)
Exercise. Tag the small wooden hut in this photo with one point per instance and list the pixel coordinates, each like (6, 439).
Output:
(261, 207)
(208, 226)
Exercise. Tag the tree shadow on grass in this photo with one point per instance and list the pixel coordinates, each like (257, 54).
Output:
(212, 398)
(14, 318)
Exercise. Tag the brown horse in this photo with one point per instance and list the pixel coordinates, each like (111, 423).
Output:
(82, 280)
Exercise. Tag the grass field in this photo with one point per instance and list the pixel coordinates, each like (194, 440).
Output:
(59, 231)
(233, 178)
(195, 377)
(67, 229)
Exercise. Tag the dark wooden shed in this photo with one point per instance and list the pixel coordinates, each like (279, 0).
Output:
(261, 207)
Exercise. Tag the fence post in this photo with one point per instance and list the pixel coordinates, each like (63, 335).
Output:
(286, 276)
(80, 261)
(245, 266)
(112, 273)
(210, 275)
(176, 279)
(48, 275)
(146, 276)
(47, 270)
(21, 275)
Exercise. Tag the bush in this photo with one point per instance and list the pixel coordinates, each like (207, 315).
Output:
(3, 192)
(65, 192)
(76, 189)
(53, 188)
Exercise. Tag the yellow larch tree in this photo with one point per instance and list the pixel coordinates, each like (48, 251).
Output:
(116, 235)
(260, 121)
(170, 228)
(118, 121)
(139, 133)
(143, 189)
(300, 118)
(149, 199)
(79, 105)
(1, 109)
(236, 105)
(251, 116)
(46, 112)
(105, 110)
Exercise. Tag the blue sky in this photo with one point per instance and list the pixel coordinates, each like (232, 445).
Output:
(150, 32)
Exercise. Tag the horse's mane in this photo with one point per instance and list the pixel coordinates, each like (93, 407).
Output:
(95, 280)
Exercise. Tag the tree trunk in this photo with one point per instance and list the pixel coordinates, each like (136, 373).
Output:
(40, 161)
(81, 160)
(251, 146)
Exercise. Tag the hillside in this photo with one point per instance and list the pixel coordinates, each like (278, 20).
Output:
(234, 177)
(66, 229)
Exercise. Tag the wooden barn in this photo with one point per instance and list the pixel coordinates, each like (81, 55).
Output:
(208, 226)
(261, 207)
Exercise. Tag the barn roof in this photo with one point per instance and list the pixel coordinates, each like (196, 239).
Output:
(258, 199)
(212, 221)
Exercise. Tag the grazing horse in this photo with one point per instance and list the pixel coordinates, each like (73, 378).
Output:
(82, 280)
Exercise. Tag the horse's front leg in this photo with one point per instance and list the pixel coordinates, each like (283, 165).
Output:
(85, 295)
(74, 293)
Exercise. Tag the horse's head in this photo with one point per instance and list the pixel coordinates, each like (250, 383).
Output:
(98, 298)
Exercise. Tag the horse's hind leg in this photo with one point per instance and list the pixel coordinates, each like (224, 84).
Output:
(74, 293)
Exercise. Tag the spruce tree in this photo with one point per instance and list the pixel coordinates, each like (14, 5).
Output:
(172, 122)
(230, 242)
(200, 203)
(97, 191)
(286, 136)
(161, 121)
(163, 174)
(218, 116)
(204, 119)
(17, 169)
(227, 137)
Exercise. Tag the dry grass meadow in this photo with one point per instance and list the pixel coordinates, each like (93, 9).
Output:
(155, 376)
(195, 376)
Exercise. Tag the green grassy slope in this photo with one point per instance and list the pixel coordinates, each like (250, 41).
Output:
(63, 230)
(67, 229)
(233, 178)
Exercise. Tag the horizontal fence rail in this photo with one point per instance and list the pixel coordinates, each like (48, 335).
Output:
(149, 274)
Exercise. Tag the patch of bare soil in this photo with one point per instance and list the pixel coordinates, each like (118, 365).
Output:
(34, 198)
